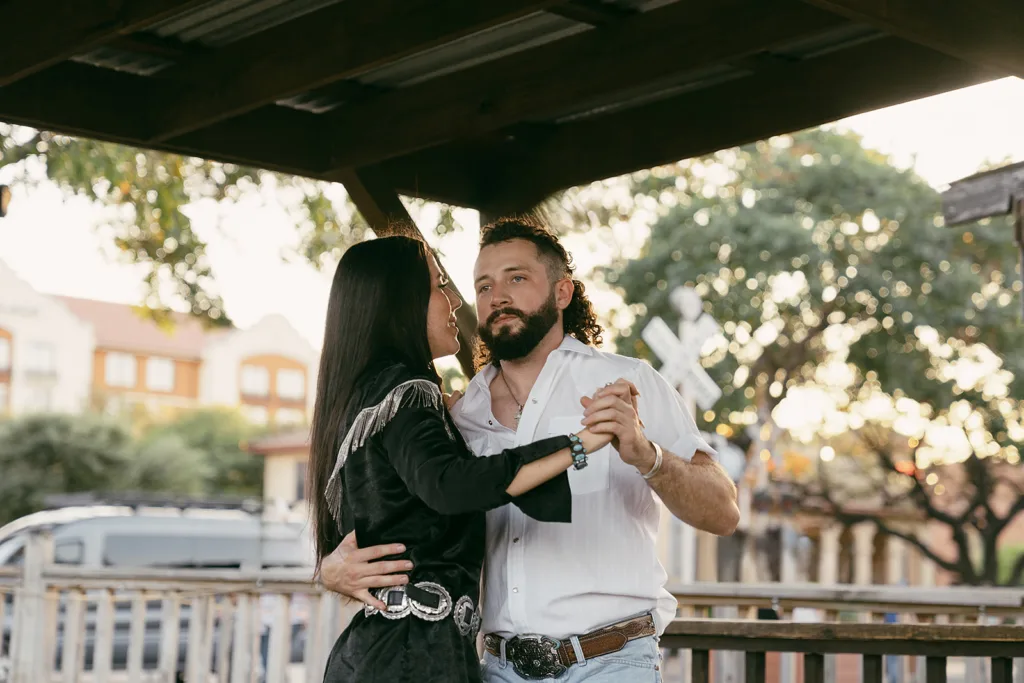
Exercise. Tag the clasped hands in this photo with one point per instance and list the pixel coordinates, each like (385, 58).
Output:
(610, 412)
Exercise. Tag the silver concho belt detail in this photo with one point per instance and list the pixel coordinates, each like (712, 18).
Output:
(467, 619)
(401, 605)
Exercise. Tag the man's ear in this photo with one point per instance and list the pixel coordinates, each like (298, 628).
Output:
(564, 290)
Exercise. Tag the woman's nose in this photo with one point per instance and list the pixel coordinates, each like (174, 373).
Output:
(454, 300)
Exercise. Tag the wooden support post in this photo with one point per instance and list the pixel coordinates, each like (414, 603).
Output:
(102, 664)
(814, 668)
(700, 667)
(383, 210)
(1002, 670)
(136, 638)
(755, 667)
(170, 636)
(74, 637)
(1018, 234)
(871, 668)
(935, 670)
(279, 645)
(27, 647)
(241, 652)
(225, 629)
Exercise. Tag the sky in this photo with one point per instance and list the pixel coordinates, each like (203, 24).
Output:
(57, 245)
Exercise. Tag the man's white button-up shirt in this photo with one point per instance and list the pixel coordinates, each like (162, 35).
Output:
(561, 580)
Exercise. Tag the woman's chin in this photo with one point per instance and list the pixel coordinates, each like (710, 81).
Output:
(449, 350)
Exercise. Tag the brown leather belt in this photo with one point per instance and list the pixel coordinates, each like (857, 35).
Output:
(542, 657)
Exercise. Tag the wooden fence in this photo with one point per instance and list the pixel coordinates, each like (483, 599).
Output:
(66, 623)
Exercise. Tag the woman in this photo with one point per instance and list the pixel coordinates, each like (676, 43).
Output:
(388, 463)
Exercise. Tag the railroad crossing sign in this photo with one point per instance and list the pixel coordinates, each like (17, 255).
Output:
(680, 356)
(999, 192)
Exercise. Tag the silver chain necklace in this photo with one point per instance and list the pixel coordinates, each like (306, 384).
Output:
(519, 413)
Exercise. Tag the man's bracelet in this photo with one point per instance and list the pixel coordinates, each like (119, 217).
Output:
(659, 456)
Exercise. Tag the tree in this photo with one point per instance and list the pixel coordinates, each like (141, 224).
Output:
(197, 454)
(146, 192)
(42, 455)
(217, 437)
(839, 286)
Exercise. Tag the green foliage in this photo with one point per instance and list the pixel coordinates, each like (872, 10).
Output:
(199, 453)
(219, 436)
(1009, 558)
(831, 272)
(167, 464)
(146, 192)
(811, 250)
(48, 454)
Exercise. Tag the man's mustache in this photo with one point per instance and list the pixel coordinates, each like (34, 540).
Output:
(493, 317)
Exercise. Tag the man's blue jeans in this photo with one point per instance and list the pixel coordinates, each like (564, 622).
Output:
(638, 662)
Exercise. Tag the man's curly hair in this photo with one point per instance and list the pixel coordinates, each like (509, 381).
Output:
(578, 318)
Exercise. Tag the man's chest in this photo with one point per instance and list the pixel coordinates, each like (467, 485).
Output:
(552, 408)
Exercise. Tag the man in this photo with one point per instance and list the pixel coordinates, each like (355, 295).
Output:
(580, 601)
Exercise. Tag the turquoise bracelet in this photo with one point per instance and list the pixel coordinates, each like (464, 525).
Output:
(579, 454)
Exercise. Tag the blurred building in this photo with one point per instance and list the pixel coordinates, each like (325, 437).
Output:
(284, 472)
(67, 354)
(45, 351)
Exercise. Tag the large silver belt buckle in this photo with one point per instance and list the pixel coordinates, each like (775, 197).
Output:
(534, 656)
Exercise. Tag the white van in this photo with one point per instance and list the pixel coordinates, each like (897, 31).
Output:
(168, 538)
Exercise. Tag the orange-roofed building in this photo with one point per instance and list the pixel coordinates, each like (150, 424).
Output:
(68, 354)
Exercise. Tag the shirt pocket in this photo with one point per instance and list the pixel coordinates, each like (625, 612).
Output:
(595, 476)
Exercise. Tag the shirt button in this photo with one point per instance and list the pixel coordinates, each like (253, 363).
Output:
(515, 540)
(515, 590)
(534, 401)
(490, 422)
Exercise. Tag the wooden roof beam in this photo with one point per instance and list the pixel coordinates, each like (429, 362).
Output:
(877, 74)
(77, 99)
(541, 83)
(380, 205)
(40, 33)
(594, 12)
(82, 100)
(983, 32)
(334, 43)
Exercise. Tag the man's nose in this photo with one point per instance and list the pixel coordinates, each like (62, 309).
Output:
(500, 297)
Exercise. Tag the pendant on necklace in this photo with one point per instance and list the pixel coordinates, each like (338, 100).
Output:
(519, 414)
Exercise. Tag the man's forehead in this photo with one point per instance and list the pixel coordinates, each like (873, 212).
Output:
(503, 255)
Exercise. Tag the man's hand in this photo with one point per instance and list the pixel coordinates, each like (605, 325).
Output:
(352, 571)
(613, 410)
(452, 398)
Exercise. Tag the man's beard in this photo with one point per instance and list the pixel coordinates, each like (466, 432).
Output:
(506, 344)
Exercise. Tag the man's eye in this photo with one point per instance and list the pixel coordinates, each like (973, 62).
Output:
(483, 289)
(518, 278)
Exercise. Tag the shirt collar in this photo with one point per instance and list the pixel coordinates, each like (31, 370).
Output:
(483, 379)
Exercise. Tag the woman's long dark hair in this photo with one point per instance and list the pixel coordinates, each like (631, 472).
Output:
(377, 310)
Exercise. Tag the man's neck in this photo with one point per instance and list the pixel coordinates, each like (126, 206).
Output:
(522, 373)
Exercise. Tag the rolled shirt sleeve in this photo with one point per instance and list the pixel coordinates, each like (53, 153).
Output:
(667, 420)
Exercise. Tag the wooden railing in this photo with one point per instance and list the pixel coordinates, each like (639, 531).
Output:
(872, 641)
(73, 624)
(948, 607)
(953, 602)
